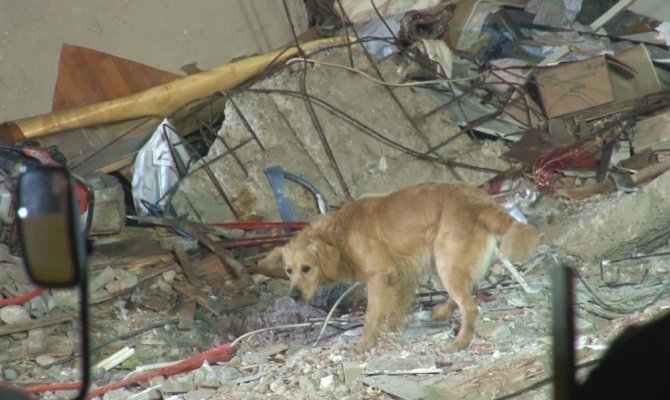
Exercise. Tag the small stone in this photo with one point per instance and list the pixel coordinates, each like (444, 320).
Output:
(177, 387)
(124, 280)
(152, 394)
(10, 375)
(326, 382)
(254, 358)
(44, 360)
(306, 384)
(278, 387)
(101, 279)
(14, 314)
(297, 358)
(199, 394)
(222, 373)
(120, 394)
(235, 362)
(169, 275)
(157, 380)
(493, 330)
(352, 371)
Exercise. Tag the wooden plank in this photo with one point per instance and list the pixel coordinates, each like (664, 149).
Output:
(87, 76)
(195, 294)
(185, 264)
(138, 249)
(186, 312)
(39, 323)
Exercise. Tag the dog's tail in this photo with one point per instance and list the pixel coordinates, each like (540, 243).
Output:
(518, 241)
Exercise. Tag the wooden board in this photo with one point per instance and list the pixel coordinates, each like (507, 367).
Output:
(87, 76)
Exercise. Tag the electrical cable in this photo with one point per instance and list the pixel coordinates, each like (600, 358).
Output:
(380, 82)
(598, 300)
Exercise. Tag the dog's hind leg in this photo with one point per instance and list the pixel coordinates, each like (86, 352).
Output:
(444, 311)
(460, 263)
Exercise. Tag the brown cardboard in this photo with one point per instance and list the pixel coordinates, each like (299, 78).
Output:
(644, 81)
(575, 86)
(569, 87)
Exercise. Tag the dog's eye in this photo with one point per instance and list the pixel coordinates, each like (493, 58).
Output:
(306, 269)
(289, 271)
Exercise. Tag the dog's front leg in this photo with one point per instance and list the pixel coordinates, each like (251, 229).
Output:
(380, 295)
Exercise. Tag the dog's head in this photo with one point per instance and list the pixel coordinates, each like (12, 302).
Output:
(309, 263)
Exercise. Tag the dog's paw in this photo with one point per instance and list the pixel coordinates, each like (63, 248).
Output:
(456, 345)
(364, 344)
(352, 353)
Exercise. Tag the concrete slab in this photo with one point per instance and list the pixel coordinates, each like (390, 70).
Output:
(615, 226)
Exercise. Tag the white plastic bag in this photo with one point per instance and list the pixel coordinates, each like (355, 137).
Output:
(155, 170)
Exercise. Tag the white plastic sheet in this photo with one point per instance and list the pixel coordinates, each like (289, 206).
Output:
(155, 170)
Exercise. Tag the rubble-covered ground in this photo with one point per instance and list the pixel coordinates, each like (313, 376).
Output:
(511, 350)
(348, 135)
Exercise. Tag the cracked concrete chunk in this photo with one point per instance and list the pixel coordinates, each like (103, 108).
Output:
(352, 371)
(170, 387)
(493, 330)
(124, 280)
(618, 226)
(406, 363)
(100, 279)
(404, 388)
(14, 314)
(306, 384)
(199, 394)
(326, 383)
(282, 126)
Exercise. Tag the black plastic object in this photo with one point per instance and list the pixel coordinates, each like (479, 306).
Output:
(54, 247)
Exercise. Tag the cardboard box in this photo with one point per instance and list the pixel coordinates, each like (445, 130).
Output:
(575, 86)
(569, 87)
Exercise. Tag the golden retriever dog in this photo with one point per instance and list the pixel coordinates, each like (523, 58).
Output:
(394, 241)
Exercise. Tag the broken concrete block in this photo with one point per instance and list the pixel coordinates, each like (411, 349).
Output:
(222, 373)
(352, 371)
(109, 210)
(14, 314)
(326, 383)
(621, 224)
(199, 394)
(402, 388)
(406, 363)
(147, 395)
(254, 358)
(121, 394)
(171, 387)
(493, 330)
(124, 280)
(285, 135)
(306, 384)
(101, 279)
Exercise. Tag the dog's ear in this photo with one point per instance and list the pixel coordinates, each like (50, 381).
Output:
(329, 259)
(272, 264)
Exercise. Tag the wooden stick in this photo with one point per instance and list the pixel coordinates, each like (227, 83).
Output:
(647, 173)
(159, 100)
(39, 323)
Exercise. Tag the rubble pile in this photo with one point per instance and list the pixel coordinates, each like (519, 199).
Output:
(556, 108)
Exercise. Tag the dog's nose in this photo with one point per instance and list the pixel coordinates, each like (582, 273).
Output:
(295, 294)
